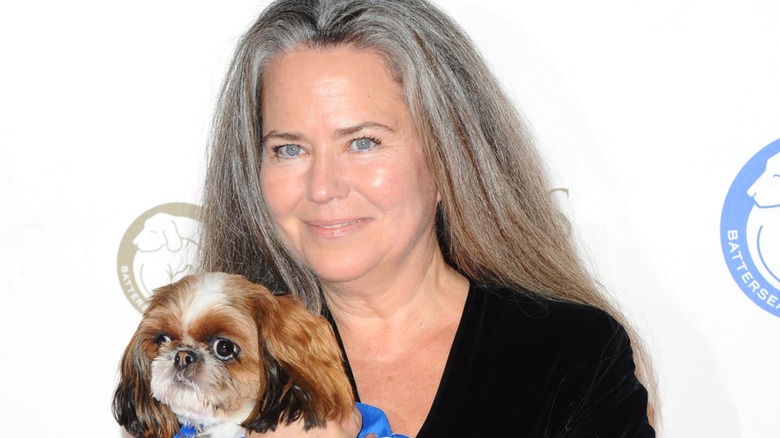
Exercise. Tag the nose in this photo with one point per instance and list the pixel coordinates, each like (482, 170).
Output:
(327, 179)
(184, 358)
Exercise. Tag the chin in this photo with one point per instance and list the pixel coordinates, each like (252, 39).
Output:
(223, 355)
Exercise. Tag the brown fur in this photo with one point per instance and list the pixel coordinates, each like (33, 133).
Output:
(289, 365)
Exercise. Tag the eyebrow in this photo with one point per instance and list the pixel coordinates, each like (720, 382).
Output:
(361, 126)
(288, 136)
(342, 132)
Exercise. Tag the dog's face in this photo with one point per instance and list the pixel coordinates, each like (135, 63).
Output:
(215, 349)
(203, 346)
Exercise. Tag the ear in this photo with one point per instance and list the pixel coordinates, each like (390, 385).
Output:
(304, 373)
(134, 407)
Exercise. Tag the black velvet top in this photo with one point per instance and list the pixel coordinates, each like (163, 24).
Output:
(521, 366)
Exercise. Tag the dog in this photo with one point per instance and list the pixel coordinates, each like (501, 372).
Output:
(220, 354)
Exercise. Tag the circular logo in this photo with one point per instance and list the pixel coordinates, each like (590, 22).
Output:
(750, 228)
(158, 248)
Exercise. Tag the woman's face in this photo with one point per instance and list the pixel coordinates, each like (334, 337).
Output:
(343, 172)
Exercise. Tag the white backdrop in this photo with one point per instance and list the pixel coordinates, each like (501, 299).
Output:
(647, 112)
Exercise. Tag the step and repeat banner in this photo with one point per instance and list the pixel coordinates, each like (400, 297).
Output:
(660, 123)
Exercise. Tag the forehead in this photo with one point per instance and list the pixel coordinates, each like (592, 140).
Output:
(309, 63)
(310, 82)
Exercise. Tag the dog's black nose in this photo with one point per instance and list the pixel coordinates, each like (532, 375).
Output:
(184, 358)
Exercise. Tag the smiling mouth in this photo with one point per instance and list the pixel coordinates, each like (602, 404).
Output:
(337, 228)
(338, 225)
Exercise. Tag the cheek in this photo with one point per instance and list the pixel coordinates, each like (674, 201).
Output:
(401, 181)
(384, 185)
(380, 178)
(278, 193)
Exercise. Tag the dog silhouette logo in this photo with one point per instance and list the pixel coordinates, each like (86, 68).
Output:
(750, 229)
(158, 248)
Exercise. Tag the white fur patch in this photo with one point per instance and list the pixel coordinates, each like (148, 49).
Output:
(209, 292)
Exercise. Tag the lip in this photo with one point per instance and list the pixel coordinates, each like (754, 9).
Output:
(335, 228)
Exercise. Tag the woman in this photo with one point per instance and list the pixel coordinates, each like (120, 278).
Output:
(364, 157)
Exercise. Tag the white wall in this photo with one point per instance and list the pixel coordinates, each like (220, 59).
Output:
(647, 113)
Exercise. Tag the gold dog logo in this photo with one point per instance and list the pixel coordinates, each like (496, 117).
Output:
(158, 248)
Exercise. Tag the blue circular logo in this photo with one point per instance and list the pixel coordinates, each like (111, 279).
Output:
(750, 229)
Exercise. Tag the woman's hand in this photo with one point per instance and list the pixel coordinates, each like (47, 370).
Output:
(347, 428)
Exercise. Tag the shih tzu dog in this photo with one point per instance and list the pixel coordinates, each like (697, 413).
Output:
(221, 354)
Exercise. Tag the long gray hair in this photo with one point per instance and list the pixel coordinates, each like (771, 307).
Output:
(497, 221)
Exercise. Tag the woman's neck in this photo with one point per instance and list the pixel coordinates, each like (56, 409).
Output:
(413, 301)
(383, 331)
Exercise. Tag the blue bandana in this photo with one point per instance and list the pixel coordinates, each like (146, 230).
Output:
(189, 431)
(374, 421)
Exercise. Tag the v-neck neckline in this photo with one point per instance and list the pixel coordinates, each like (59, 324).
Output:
(451, 357)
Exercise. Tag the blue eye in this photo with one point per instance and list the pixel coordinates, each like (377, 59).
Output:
(288, 150)
(363, 144)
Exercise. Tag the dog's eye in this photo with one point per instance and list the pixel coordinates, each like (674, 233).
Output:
(162, 338)
(224, 349)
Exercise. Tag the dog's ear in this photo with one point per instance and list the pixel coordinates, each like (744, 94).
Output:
(304, 375)
(134, 407)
